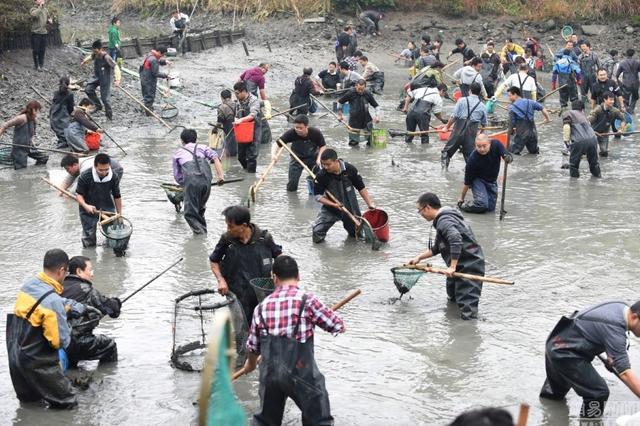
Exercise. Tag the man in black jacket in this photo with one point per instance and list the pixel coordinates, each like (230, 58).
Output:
(460, 250)
(359, 99)
(371, 19)
(84, 344)
(462, 48)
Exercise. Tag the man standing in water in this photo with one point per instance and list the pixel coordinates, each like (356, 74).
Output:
(282, 332)
(460, 250)
(578, 135)
(98, 190)
(73, 166)
(191, 170)
(150, 73)
(243, 253)
(359, 99)
(342, 180)
(576, 340)
(248, 109)
(36, 330)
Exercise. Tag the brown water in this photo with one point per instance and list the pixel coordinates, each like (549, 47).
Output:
(566, 243)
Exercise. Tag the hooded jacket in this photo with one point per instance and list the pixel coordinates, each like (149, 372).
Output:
(455, 240)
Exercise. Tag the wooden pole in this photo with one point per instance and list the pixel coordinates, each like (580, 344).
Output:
(503, 212)
(429, 268)
(145, 107)
(523, 416)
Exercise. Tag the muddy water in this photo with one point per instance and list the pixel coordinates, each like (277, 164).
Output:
(566, 243)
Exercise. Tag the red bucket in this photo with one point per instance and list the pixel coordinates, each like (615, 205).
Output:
(244, 131)
(444, 136)
(500, 137)
(457, 94)
(379, 221)
(92, 140)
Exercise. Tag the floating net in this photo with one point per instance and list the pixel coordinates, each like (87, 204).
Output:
(369, 235)
(118, 235)
(193, 315)
(218, 404)
(5, 156)
(405, 278)
(262, 287)
(175, 194)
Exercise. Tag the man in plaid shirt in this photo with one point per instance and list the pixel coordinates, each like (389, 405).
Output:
(282, 332)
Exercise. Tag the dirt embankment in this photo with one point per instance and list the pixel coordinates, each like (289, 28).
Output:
(298, 44)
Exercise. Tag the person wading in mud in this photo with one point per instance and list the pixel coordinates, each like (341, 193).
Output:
(24, 125)
(242, 253)
(104, 70)
(573, 344)
(466, 52)
(601, 119)
(580, 138)
(359, 99)
(192, 171)
(150, 73)
(307, 143)
(282, 332)
(342, 180)
(247, 108)
(468, 115)
(522, 112)
(630, 84)
(460, 250)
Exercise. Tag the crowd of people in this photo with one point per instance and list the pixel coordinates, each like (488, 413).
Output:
(53, 308)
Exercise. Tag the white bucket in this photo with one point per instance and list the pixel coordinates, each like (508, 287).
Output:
(174, 81)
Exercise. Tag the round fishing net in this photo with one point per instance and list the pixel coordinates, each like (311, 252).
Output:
(193, 314)
(262, 287)
(118, 234)
(405, 278)
(567, 31)
(175, 194)
(5, 156)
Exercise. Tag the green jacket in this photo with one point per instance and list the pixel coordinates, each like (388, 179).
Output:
(39, 20)
(114, 37)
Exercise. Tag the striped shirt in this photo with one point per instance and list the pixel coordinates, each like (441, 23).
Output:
(277, 315)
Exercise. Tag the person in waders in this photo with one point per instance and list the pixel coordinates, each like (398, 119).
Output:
(150, 73)
(178, 23)
(481, 175)
(242, 253)
(522, 112)
(84, 344)
(602, 118)
(371, 20)
(247, 108)
(372, 75)
(602, 85)
(255, 81)
(589, 63)
(629, 68)
(566, 72)
(576, 340)
(459, 249)
(73, 166)
(522, 81)
(79, 126)
(303, 88)
(226, 115)
(425, 101)
(359, 99)
(508, 54)
(192, 172)
(330, 77)
(307, 143)
(36, 331)
(580, 138)
(343, 42)
(104, 70)
(60, 111)
(342, 180)
(98, 189)
(24, 125)
(470, 74)
(468, 115)
(466, 52)
(347, 76)
(489, 70)
(281, 333)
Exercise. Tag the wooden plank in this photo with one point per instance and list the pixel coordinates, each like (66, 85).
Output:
(218, 38)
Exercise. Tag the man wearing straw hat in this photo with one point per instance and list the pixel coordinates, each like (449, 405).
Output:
(460, 250)
(98, 189)
(282, 332)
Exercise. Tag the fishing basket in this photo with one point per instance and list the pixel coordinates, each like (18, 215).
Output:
(262, 287)
(118, 234)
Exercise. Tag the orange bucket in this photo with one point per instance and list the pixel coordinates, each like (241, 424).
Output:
(379, 221)
(444, 136)
(500, 137)
(457, 94)
(92, 140)
(244, 131)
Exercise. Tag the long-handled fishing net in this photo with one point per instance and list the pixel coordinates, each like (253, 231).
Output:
(262, 287)
(118, 234)
(175, 194)
(5, 156)
(404, 279)
(217, 403)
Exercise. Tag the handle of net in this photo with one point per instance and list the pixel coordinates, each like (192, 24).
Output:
(338, 305)
(428, 268)
(152, 280)
(64, 191)
(523, 415)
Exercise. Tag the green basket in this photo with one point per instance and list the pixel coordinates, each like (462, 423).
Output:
(379, 138)
(262, 287)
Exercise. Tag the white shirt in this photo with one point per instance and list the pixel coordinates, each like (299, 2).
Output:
(172, 21)
(528, 85)
(85, 164)
(428, 94)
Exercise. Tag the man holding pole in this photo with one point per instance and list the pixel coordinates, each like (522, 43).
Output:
(522, 115)
(98, 190)
(576, 340)
(481, 174)
(248, 109)
(359, 99)
(104, 69)
(460, 250)
(150, 73)
(282, 334)
(307, 143)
